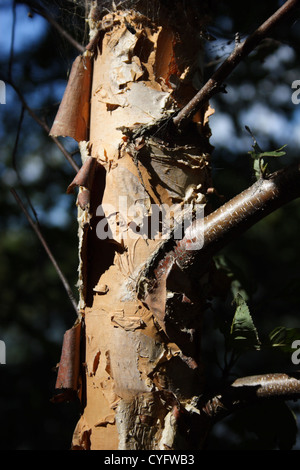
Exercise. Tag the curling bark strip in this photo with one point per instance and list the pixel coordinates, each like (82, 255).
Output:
(73, 115)
(68, 371)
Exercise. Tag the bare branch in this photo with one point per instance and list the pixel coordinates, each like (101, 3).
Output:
(249, 390)
(191, 256)
(12, 43)
(236, 216)
(42, 12)
(47, 249)
(62, 31)
(213, 85)
(14, 162)
(40, 121)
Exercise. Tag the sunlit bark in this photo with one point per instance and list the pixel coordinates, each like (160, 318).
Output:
(141, 375)
(144, 280)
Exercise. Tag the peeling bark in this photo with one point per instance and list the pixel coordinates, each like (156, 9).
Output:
(141, 75)
(68, 373)
(72, 119)
(143, 373)
(144, 252)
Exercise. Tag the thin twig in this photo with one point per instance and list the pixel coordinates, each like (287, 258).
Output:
(43, 125)
(42, 12)
(214, 84)
(12, 42)
(63, 32)
(47, 249)
(14, 163)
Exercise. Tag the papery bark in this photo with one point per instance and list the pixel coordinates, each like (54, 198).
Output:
(72, 118)
(141, 377)
(142, 296)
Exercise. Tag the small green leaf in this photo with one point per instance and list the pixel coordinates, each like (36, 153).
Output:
(259, 165)
(274, 153)
(243, 334)
(283, 338)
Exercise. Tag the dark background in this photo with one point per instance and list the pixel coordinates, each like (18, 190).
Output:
(35, 310)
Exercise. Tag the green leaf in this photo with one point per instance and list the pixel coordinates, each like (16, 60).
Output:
(243, 334)
(273, 153)
(283, 338)
(257, 154)
(257, 167)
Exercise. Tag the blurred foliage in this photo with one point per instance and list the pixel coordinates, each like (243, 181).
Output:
(35, 309)
(264, 262)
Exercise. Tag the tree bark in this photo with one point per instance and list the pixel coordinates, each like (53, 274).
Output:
(145, 247)
(140, 377)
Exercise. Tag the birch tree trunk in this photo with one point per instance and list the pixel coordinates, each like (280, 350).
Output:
(142, 369)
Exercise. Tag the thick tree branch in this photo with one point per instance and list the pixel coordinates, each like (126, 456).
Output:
(235, 217)
(242, 393)
(190, 257)
(249, 390)
(213, 85)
